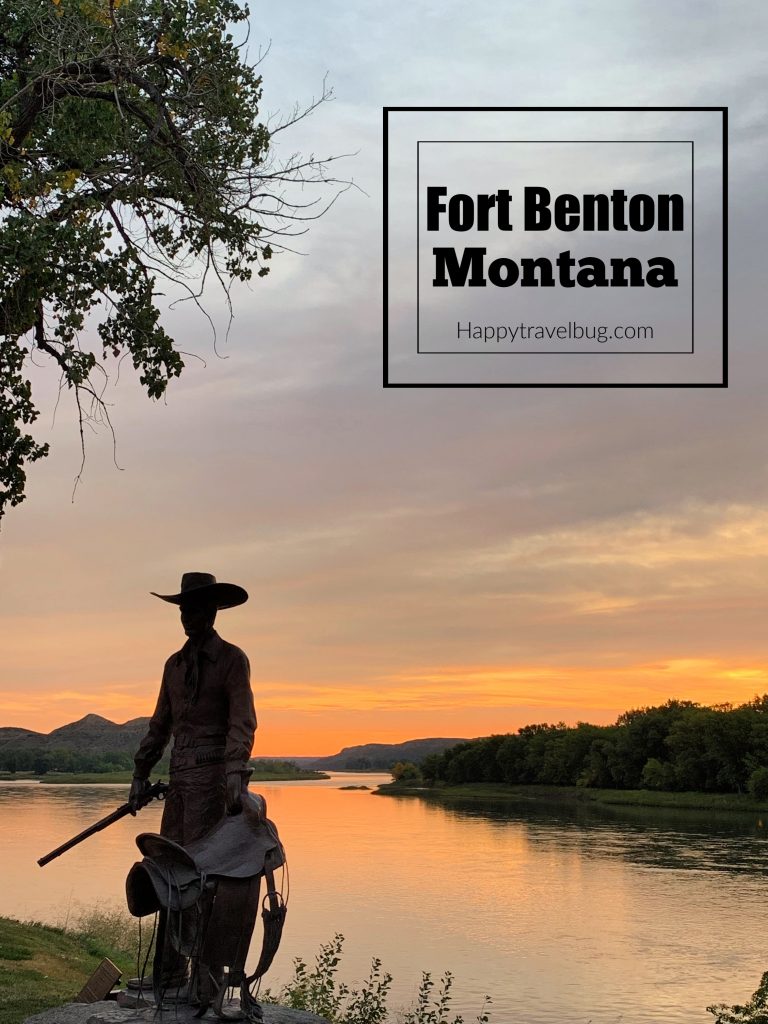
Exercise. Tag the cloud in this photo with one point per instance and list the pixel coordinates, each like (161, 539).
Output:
(574, 537)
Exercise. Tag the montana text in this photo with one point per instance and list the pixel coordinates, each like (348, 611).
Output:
(592, 212)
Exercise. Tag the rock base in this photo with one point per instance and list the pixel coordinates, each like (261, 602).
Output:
(110, 1013)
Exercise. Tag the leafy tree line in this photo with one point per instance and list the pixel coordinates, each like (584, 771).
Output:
(40, 761)
(680, 745)
(271, 766)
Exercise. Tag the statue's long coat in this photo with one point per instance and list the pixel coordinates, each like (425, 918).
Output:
(206, 705)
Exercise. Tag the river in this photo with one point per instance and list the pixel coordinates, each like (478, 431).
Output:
(563, 914)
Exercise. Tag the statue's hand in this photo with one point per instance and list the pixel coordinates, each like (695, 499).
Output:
(138, 788)
(234, 793)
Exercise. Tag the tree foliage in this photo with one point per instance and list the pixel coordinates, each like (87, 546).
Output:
(755, 1011)
(131, 155)
(679, 745)
(42, 760)
(405, 771)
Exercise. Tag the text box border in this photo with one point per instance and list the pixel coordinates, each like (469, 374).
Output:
(722, 110)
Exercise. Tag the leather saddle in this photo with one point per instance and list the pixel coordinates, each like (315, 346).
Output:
(207, 896)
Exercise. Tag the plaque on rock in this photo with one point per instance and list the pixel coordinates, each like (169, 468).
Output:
(100, 983)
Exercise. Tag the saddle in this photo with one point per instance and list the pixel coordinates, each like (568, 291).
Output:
(207, 898)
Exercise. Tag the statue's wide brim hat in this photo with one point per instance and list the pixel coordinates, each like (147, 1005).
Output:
(204, 586)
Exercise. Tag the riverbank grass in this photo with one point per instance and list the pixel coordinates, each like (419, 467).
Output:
(42, 966)
(498, 791)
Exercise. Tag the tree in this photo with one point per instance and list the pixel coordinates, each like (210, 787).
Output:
(755, 1011)
(131, 156)
(758, 784)
(431, 768)
(405, 771)
(657, 775)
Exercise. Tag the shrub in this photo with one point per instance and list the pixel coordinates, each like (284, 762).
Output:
(657, 775)
(753, 1012)
(318, 990)
(758, 784)
(406, 771)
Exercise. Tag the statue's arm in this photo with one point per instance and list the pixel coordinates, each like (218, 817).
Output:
(241, 726)
(158, 733)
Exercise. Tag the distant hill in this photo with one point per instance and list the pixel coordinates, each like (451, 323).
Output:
(97, 735)
(381, 756)
(12, 738)
(93, 734)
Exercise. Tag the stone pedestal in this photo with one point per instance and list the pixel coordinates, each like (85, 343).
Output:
(110, 1013)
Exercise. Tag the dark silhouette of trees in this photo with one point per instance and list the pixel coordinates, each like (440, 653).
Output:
(41, 761)
(679, 745)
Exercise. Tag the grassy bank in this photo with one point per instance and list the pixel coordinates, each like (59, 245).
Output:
(69, 778)
(577, 794)
(111, 778)
(42, 966)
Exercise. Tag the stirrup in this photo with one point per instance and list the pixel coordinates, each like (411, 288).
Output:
(250, 1009)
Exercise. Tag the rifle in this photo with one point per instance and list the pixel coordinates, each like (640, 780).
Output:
(156, 791)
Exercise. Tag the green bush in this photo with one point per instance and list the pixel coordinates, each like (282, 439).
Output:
(318, 990)
(406, 771)
(657, 775)
(758, 784)
(753, 1012)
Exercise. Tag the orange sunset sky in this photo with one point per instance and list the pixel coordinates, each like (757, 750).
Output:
(421, 562)
(365, 630)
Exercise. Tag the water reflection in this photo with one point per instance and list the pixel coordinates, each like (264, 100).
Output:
(564, 914)
(682, 839)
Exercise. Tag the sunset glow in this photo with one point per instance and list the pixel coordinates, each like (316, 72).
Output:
(420, 562)
(306, 718)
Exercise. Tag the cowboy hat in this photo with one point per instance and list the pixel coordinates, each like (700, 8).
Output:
(204, 585)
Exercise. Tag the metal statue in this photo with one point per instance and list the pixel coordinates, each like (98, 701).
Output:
(202, 874)
(207, 896)
(206, 705)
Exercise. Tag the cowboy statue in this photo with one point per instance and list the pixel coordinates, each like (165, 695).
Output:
(202, 873)
(206, 704)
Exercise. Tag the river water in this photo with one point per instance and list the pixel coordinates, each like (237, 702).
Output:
(563, 914)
